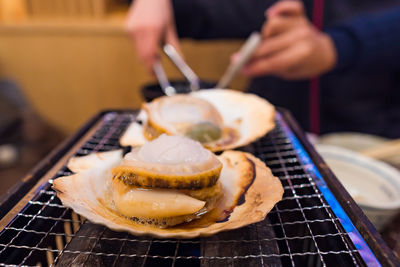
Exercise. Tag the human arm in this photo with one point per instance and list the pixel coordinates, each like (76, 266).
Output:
(291, 47)
(368, 42)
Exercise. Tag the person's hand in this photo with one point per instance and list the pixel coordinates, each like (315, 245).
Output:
(151, 23)
(292, 48)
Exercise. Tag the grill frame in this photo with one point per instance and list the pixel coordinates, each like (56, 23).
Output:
(365, 228)
(369, 233)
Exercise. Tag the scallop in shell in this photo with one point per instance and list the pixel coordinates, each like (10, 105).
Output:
(219, 118)
(88, 193)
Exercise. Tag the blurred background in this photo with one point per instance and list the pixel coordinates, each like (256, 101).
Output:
(62, 61)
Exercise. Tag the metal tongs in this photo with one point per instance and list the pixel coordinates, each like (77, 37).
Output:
(168, 89)
(245, 54)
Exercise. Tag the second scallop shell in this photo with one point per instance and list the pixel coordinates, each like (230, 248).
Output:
(240, 117)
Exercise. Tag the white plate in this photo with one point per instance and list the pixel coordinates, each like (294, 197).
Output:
(358, 142)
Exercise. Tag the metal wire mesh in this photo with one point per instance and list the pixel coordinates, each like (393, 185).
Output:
(301, 230)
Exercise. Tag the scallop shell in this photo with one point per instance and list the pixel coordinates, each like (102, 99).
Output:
(250, 115)
(243, 177)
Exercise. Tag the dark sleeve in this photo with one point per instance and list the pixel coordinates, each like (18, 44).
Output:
(369, 42)
(222, 19)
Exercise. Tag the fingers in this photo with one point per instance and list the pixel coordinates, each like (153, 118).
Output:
(147, 22)
(291, 48)
(277, 43)
(284, 16)
(147, 42)
(277, 25)
(279, 64)
(286, 8)
(282, 48)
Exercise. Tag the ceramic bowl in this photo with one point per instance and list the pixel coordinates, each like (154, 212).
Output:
(374, 185)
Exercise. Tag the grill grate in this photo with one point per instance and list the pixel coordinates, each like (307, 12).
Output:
(302, 229)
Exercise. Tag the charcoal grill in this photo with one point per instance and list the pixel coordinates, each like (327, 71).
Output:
(315, 224)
